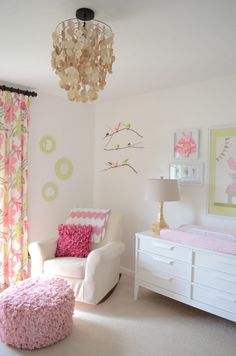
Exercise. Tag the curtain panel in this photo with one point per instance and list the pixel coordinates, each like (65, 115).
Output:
(14, 123)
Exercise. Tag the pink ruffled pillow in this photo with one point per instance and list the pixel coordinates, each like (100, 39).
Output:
(74, 240)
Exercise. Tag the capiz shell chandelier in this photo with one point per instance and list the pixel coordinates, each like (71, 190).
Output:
(82, 55)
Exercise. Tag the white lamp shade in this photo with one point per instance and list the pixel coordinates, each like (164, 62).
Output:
(161, 190)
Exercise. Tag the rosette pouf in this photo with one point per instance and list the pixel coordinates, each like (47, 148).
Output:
(36, 313)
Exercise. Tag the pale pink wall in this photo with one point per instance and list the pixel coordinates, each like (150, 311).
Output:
(72, 126)
(157, 115)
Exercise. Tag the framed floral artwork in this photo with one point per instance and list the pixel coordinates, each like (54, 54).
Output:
(186, 144)
(187, 172)
(222, 171)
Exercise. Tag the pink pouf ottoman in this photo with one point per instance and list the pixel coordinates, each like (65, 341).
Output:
(36, 312)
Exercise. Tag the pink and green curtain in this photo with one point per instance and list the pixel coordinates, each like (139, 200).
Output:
(14, 123)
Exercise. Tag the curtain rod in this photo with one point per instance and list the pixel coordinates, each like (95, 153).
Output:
(18, 90)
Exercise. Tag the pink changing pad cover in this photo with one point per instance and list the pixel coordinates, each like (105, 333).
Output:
(204, 237)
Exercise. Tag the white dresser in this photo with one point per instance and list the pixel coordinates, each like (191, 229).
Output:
(202, 278)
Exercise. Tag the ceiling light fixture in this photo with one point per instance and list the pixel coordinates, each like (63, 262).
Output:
(82, 55)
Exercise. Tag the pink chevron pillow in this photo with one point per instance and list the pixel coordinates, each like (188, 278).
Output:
(95, 217)
(74, 240)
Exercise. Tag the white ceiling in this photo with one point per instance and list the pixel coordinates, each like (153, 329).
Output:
(158, 43)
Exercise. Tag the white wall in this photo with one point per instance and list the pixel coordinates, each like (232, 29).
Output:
(72, 126)
(157, 115)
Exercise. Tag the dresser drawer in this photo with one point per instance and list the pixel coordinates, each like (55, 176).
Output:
(166, 249)
(216, 261)
(165, 281)
(217, 299)
(156, 263)
(215, 279)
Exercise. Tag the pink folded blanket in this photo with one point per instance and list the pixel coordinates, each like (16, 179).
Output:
(204, 237)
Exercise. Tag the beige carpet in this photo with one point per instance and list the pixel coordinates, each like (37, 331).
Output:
(152, 326)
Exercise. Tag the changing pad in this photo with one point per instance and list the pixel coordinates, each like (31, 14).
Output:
(216, 239)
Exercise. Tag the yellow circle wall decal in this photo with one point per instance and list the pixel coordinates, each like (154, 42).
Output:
(49, 191)
(47, 144)
(63, 168)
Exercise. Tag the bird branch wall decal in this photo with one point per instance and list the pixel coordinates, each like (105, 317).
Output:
(125, 137)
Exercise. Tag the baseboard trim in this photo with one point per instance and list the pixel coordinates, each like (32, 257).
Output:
(127, 271)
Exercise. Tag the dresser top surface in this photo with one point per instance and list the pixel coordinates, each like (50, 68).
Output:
(154, 237)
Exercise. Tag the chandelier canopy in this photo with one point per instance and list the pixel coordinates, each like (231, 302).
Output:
(82, 55)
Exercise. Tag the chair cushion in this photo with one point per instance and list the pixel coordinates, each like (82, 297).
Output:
(90, 216)
(65, 267)
(74, 240)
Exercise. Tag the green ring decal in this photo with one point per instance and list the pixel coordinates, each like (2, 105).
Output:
(49, 191)
(47, 144)
(63, 168)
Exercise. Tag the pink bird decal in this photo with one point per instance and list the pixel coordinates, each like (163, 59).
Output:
(116, 129)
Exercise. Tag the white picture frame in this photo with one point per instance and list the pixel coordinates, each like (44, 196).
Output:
(189, 173)
(186, 144)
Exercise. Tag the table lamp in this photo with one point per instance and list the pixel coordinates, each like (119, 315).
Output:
(161, 190)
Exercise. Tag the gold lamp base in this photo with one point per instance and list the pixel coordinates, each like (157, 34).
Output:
(160, 223)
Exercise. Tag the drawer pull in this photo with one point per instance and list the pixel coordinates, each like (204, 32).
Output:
(228, 299)
(228, 264)
(165, 247)
(225, 279)
(163, 260)
(162, 277)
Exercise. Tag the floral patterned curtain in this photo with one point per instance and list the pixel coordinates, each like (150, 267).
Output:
(14, 122)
